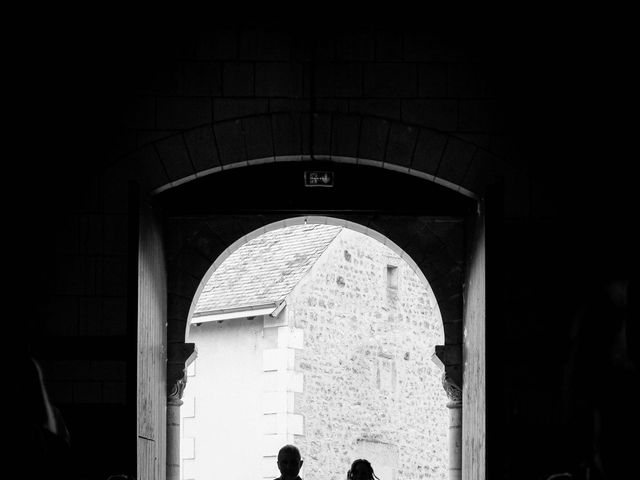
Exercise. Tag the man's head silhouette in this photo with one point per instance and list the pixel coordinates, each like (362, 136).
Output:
(289, 462)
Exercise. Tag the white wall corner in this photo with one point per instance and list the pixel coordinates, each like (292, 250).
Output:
(274, 402)
(270, 423)
(290, 337)
(188, 407)
(280, 321)
(278, 359)
(269, 467)
(187, 448)
(295, 382)
(271, 444)
(295, 424)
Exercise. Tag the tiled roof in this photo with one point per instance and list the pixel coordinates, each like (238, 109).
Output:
(265, 269)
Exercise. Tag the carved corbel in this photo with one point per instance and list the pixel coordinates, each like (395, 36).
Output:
(179, 357)
(453, 390)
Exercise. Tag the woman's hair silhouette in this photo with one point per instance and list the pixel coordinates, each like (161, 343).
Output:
(361, 469)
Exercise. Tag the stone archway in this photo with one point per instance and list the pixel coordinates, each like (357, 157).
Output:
(436, 244)
(439, 157)
(242, 145)
(372, 237)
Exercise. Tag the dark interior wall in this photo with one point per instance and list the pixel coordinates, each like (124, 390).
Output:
(551, 97)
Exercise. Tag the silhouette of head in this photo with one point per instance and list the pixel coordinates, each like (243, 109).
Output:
(361, 469)
(289, 462)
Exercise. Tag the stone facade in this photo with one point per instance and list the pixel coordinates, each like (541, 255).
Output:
(370, 388)
(346, 373)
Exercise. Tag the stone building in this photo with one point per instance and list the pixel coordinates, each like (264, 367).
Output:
(323, 337)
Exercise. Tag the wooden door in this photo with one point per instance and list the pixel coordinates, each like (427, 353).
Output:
(474, 364)
(151, 345)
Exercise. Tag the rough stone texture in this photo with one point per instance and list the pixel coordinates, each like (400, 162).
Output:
(368, 377)
(359, 329)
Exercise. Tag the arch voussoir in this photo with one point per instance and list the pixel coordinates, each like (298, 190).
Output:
(272, 137)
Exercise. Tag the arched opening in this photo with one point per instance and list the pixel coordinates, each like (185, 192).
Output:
(321, 333)
(434, 225)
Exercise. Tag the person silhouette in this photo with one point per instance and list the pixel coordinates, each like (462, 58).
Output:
(289, 463)
(361, 469)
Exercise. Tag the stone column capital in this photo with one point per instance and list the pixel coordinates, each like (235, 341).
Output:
(453, 390)
(179, 357)
(450, 357)
(175, 388)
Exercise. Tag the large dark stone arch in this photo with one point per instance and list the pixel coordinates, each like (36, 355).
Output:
(443, 169)
(418, 172)
(203, 218)
(439, 157)
(435, 173)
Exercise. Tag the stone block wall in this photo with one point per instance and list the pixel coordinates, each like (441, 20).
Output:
(370, 387)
